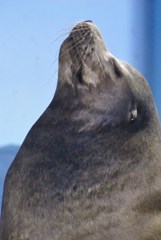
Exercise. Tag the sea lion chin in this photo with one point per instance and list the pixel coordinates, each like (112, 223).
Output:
(90, 167)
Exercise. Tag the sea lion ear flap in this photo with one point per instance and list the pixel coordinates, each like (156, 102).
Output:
(116, 67)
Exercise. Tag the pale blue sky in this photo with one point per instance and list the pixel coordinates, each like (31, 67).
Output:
(29, 52)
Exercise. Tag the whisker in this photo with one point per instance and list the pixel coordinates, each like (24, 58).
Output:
(80, 56)
(73, 45)
(60, 36)
(60, 84)
(67, 33)
(84, 53)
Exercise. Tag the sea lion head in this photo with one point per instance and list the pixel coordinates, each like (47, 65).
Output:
(103, 89)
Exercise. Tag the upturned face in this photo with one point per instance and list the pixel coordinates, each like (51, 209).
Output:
(107, 90)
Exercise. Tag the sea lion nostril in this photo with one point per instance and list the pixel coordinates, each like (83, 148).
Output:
(89, 21)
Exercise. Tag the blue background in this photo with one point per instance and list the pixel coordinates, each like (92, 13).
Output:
(31, 32)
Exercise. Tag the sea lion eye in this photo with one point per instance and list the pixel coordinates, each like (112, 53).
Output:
(133, 115)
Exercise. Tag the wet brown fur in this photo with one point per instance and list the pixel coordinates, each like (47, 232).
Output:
(90, 167)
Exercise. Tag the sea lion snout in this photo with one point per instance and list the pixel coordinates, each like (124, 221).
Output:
(87, 54)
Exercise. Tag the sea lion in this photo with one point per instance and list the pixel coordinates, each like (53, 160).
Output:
(90, 167)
